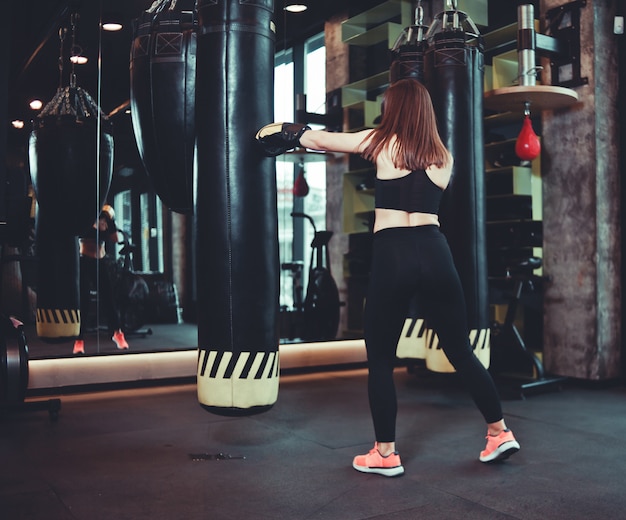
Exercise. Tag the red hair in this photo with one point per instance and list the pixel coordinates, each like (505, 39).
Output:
(409, 122)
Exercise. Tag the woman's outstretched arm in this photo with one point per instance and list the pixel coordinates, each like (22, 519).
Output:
(348, 142)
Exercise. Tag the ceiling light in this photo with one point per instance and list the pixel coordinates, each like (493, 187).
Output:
(79, 59)
(17, 123)
(111, 21)
(36, 104)
(111, 26)
(296, 8)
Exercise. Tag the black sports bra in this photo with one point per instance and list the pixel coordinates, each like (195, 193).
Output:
(413, 193)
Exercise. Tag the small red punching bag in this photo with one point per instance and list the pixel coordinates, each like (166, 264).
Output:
(527, 146)
(301, 186)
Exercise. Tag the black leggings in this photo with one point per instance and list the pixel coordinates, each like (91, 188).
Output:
(94, 273)
(409, 261)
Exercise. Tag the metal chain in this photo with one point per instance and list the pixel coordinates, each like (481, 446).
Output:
(62, 33)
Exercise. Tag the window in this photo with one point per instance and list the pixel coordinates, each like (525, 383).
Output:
(299, 70)
(149, 255)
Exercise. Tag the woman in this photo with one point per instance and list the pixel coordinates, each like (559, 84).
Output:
(410, 256)
(94, 273)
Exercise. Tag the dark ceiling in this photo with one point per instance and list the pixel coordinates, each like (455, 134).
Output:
(35, 45)
(34, 50)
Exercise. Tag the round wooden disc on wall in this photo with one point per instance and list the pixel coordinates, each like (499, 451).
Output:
(540, 97)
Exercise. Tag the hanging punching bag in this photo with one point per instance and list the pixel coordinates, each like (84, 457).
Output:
(527, 144)
(407, 57)
(300, 185)
(454, 78)
(162, 99)
(71, 165)
(407, 53)
(236, 215)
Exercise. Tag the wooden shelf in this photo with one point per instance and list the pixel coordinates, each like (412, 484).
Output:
(358, 204)
(518, 180)
(354, 94)
(540, 97)
(386, 32)
(503, 118)
(353, 30)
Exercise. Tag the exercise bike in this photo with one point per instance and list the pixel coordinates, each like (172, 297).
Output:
(320, 308)
(292, 319)
(508, 343)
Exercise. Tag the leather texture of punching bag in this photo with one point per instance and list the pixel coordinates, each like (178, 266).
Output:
(71, 159)
(71, 165)
(236, 213)
(162, 97)
(407, 54)
(408, 62)
(454, 77)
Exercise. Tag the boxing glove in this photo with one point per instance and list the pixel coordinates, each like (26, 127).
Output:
(278, 138)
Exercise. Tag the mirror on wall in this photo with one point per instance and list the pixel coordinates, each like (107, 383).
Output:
(149, 265)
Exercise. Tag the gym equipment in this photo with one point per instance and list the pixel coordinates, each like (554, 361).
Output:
(58, 282)
(278, 138)
(291, 318)
(71, 165)
(453, 74)
(162, 98)
(236, 211)
(507, 342)
(71, 155)
(300, 185)
(14, 372)
(320, 309)
(408, 50)
(527, 146)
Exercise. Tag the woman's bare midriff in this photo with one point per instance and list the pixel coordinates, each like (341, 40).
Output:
(91, 249)
(390, 218)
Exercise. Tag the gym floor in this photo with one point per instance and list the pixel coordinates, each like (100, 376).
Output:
(154, 453)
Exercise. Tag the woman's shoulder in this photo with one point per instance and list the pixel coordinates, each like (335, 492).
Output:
(440, 175)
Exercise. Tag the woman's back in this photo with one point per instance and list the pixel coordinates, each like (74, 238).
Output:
(387, 217)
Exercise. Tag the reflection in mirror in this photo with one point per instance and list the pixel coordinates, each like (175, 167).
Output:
(150, 263)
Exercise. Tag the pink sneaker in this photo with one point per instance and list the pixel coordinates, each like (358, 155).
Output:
(499, 447)
(374, 462)
(79, 347)
(120, 340)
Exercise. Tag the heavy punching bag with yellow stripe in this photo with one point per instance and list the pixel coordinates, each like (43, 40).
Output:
(408, 62)
(71, 165)
(236, 214)
(454, 77)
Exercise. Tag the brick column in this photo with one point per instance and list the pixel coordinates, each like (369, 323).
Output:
(337, 75)
(581, 206)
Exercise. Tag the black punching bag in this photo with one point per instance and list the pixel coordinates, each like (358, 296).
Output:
(454, 77)
(236, 215)
(407, 62)
(71, 165)
(162, 99)
(407, 53)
